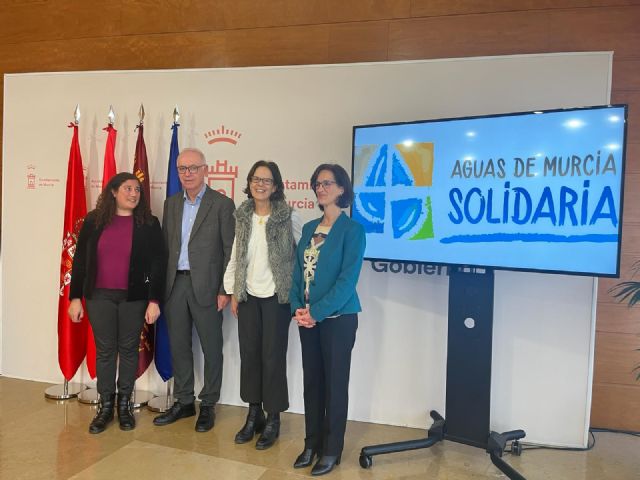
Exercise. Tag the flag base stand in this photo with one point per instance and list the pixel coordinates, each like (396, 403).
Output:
(141, 398)
(65, 391)
(162, 403)
(89, 397)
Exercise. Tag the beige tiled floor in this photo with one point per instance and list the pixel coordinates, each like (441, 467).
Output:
(42, 439)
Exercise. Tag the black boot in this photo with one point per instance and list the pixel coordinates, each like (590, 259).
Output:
(270, 433)
(254, 424)
(125, 412)
(305, 459)
(325, 464)
(104, 415)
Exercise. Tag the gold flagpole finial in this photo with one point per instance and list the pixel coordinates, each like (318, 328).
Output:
(112, 115)
(176, 115)
(141, 114)
(76, 115)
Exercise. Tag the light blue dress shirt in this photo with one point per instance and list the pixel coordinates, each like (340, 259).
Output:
(189, 212)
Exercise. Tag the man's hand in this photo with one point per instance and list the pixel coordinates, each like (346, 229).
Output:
(223, 301)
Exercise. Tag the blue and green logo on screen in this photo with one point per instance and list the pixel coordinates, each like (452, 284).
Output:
(382, 201)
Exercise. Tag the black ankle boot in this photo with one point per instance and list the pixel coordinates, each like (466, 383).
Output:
(306, 458)
(125, 412)
(270, 433)
(325, 464)
(104, 415)
(254, 424)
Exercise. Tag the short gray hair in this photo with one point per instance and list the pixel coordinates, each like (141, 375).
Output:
(193, 150)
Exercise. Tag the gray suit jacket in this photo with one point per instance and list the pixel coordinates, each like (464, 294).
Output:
(209, 245)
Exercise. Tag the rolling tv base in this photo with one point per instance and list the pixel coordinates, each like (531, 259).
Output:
(435, 435)
(468, 396)
(496, 445)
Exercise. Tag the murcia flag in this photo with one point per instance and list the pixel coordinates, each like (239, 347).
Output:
(141, 170)
(72, 337)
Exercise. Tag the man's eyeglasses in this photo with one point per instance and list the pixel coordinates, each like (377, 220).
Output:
(265, 181)
(191, 168)
(325, 184)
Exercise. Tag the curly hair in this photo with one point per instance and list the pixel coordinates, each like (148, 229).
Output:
(106, 205)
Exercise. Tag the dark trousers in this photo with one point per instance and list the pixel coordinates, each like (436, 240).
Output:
(326, 362)
(116, 326)
(183, 312)
(263, 333)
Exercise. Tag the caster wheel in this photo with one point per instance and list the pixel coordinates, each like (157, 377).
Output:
(516, 448)
(365, 461)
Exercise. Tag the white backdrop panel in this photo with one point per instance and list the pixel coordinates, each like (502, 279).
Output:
(300, 117)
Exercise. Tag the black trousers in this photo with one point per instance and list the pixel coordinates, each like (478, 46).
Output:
(182, 312)
(326, 363)
(263, 333)
(116, 326)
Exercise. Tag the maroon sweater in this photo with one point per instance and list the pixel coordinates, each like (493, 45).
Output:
(114, 254)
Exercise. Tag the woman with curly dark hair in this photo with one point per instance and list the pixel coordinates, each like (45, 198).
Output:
(118, 268)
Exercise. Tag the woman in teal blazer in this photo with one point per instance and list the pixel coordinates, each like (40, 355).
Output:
(325, 305)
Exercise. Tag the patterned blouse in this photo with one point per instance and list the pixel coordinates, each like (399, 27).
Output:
(311, 255)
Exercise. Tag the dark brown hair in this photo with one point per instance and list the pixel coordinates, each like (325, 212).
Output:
(106, 205)
(342, 180)
(275, 173)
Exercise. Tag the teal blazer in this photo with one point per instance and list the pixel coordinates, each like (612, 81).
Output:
(333, 290)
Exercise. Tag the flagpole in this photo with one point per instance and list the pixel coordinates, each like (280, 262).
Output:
(67, 390)
(90, 396)
(163, 403)
(140, 398)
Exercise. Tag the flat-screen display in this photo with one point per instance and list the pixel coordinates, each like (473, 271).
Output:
(537, 191)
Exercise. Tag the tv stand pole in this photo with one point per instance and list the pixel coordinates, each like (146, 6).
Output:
(468, 402)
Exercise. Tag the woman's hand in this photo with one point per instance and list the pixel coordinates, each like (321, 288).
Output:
(76, 312)
(234, 306)
(304, 319)
(152, 313)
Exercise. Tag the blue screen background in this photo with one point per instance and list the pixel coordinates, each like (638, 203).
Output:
(446, 191)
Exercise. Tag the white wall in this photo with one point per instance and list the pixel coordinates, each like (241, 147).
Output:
(300, 117)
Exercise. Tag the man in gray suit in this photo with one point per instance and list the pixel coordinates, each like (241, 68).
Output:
(198, 226)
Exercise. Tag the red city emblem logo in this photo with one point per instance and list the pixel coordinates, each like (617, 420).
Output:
(31, 177)
(222, 134)
(222, 177)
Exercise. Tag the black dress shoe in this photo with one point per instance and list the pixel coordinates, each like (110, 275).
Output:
(325, 464)
(104, 415)
(270, 433)
(176, 412)
(206, 419)
(254, 424)
(125, 412)
(305, 458)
